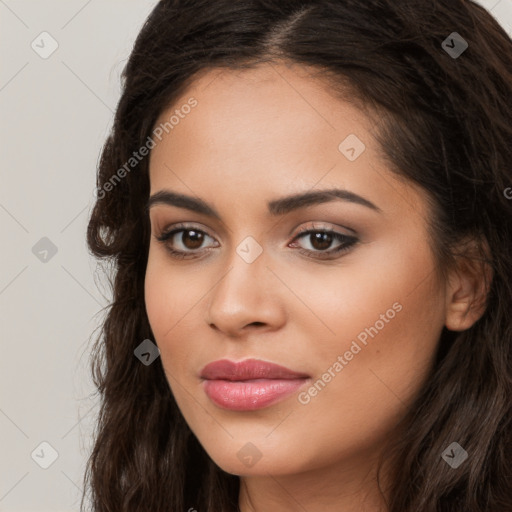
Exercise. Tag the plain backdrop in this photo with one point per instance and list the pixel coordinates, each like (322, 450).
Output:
(55, 111)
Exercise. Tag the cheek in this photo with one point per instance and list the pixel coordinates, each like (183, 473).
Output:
(384, 291)
(386, 316)
(159, 298)
(168, 294)
(172, 299)
(384, 364)
(164, 299)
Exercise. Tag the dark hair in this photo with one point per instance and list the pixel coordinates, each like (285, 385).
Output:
(442, 121)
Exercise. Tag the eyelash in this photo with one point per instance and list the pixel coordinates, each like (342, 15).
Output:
(349, 241)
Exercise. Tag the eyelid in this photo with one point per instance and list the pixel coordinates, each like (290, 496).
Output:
(347, 242)
(184, 226)
(330, 227)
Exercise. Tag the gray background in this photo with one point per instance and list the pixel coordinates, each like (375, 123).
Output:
(55, 114)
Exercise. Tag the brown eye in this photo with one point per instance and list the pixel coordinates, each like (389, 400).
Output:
(191, 238)
(184, 241)
(321, 240)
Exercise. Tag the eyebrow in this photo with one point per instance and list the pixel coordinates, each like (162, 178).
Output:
(276, 207)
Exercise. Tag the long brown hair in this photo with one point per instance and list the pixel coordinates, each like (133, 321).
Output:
(444, 122)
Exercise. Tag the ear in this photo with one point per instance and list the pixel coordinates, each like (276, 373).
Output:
(468, 285)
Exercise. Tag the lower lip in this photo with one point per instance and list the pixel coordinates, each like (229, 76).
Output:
(250, 395)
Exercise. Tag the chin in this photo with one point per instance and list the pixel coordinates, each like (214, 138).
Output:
(250, 460)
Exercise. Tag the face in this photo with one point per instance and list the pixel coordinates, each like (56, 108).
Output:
(338, 288)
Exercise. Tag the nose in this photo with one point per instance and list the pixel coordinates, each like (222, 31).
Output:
(247, 297)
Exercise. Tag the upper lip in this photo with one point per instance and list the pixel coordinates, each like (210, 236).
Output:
(248, 369)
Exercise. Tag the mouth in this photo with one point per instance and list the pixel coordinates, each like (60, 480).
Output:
(250, 384)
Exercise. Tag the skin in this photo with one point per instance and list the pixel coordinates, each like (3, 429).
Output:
(255, 136)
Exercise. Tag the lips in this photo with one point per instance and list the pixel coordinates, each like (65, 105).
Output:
(249, 369)
(250, 384)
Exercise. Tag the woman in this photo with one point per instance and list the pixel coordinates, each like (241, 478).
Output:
(306, 205)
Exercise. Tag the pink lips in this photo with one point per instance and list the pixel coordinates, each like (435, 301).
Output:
(250, 384)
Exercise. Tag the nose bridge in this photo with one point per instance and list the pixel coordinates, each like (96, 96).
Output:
(241, 296)
(246, 269)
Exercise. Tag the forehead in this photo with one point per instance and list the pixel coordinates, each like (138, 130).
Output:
(277, 127)
(267, 100)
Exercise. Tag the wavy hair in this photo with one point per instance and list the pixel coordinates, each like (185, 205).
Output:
(442, 122)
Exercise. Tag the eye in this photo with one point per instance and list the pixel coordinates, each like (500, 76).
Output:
(190, 239)
(322, 239)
